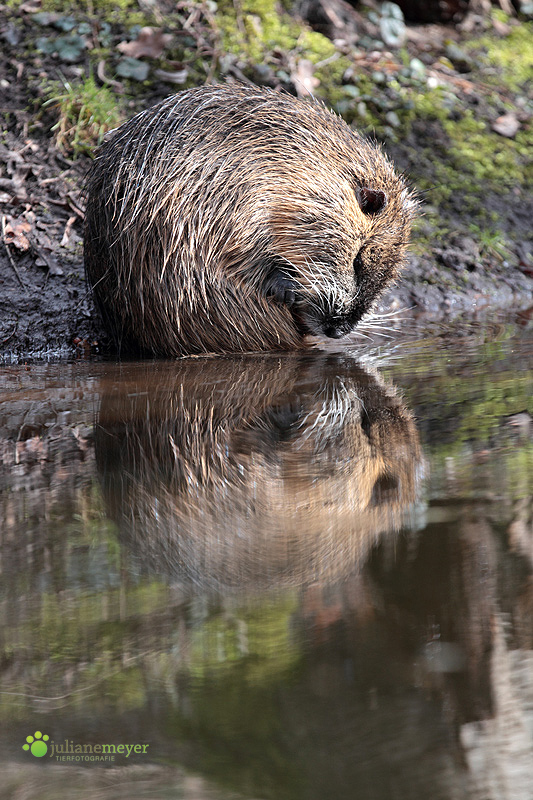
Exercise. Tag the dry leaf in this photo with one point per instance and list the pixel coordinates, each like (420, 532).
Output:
(151, 42)
(303, 78)
(501, 28)
(15, 234)
(31, 7)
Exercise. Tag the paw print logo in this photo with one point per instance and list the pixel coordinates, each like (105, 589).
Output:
(36, 744)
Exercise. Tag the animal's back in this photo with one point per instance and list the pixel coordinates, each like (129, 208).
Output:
(229, 218)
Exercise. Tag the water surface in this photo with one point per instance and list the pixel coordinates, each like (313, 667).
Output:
(296, 576)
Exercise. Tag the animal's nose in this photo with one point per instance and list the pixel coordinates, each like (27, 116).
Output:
(334, 331)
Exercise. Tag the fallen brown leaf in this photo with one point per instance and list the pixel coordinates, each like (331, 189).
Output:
(302, 75)
(31, 7)
(15, 234)
(14, 190)
(151, 42)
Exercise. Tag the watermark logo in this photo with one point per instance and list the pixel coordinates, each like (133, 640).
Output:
(36, 744)
(68, 750)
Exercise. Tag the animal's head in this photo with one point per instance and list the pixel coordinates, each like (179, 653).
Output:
(328, 217)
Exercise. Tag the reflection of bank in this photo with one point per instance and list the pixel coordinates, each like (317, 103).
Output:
(256, 471)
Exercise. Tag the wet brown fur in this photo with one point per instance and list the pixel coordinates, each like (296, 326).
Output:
(231, 218)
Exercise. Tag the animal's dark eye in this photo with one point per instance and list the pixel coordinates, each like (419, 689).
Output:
(358, 263)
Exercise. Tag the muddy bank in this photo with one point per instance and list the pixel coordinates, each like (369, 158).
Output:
(429, 287)
(44, 303)
(46, 310)
(451, 105)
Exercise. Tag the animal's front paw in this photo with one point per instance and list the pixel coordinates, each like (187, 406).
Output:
(282, 289)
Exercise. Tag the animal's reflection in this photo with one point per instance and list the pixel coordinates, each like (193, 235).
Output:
(255, 471)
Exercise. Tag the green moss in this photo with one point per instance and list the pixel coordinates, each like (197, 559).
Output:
(464, 157)
(490, 240)
(256, 30)
(511, 55)
(481, 154)
(253, 28)
(125, 12)
(430, 105)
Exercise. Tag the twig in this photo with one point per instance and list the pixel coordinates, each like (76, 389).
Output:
(13, 332)
(47, 262)
(11, 261)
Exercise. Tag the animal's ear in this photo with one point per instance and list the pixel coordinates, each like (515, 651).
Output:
(371, 200)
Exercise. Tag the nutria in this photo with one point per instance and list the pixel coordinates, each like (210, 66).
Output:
(234, 218)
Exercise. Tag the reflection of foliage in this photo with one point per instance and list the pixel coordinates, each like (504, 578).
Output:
(258, 638)
(467, 404)
(75, 629)
(240, 731)
(240, 659)
(241, 699)
(126, 689)
(94, 638)
(111, 642)
(478, 410)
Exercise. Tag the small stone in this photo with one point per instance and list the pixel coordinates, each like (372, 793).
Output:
(418, 69)
(507, 125)
(393, 119)
(459, 58)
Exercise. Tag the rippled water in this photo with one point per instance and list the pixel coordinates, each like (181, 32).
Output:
(298, 576)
